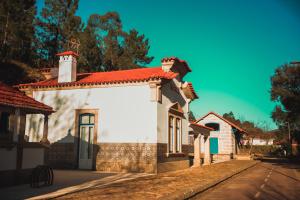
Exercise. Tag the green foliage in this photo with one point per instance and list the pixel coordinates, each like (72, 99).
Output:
(17, 30)
(34, 40)
(286, 93)
(266, 149)
(14, 72)
(192, 116)
(252, 129)
(55, 26)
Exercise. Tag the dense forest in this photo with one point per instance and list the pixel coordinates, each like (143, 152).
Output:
(30, 40)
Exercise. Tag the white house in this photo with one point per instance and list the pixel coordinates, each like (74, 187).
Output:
(129, 120)
(18, 157)
(224, 140)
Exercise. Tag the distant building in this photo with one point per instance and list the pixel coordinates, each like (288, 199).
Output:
(262, 141)
(130, 120)
(224, 140)
(17, 156)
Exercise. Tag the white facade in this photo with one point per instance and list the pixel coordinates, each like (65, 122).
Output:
(225, 135)
(169, 97)
(126, 114)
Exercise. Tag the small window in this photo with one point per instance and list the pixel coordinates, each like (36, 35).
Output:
(215, 126)
(4, 123)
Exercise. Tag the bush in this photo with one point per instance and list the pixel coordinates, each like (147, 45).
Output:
(274, 150)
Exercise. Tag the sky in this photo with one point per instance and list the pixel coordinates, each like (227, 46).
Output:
(232, 46)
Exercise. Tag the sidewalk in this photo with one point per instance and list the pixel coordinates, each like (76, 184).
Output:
(66, 181)
(171, 185)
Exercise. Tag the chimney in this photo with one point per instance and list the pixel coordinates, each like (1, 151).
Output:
(167, 64)
(67, 66)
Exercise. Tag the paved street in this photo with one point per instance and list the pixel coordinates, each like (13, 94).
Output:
(271, 179)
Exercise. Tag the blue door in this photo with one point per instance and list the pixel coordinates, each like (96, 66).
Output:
(214, 145)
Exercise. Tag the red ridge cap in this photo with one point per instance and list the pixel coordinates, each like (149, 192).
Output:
(202, 126)
(67, 53)
(121, 76)
(222, 118)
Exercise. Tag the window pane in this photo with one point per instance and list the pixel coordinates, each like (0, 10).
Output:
(83, 143)
(171, 134)
(178, 135)
(85, 119)
(90, 142)
(92, 119)
(215, 126)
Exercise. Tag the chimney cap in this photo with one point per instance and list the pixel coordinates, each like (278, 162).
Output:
(67, 53)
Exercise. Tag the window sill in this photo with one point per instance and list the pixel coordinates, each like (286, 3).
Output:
(172, 155)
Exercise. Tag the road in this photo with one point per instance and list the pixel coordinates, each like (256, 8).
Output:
(270, 179)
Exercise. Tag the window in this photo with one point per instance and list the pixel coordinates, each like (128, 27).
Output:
(174, 134)
(171, 134)
(178, 135)
(4, 123)
(215, 126)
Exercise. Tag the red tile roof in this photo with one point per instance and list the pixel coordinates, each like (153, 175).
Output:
(222, 118)
(14, 98)
(66, 53)
(122, 76)
(190, 85)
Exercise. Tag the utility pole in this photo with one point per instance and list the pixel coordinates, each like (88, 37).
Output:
(289, 131)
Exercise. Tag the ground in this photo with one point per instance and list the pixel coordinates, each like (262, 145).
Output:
(269, 179)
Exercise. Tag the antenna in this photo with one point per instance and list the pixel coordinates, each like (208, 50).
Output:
(74, 44)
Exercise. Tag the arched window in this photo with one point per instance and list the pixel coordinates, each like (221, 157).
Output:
(215, 126)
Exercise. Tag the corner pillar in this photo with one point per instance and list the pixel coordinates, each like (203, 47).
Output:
(45, 132)
(207, 157)
(197, 151)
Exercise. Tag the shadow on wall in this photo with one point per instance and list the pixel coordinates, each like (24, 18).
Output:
(61, 154)
(172, 95)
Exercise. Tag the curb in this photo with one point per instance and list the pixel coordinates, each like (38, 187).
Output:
(191, 192)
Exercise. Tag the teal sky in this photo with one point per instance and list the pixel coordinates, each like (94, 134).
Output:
(232, 46)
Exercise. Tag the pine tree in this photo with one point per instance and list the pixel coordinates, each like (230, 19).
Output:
(135, 50)
(90, 58)
(56, 25)
(286, 93)
(17, 30)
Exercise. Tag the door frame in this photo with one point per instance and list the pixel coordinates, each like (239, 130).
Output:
(79, 112)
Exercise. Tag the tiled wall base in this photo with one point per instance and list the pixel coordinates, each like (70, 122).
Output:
(121, 157)
(127, 157)
(174, 162)
(62, 156)
(173, 165)
(221, 157)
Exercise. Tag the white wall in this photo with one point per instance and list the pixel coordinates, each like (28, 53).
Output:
(8, 159)
(169, 97)
(225, 135)
(126, 113)
(32, 157)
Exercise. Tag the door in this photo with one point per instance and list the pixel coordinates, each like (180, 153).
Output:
(86, 141)
(214, 145)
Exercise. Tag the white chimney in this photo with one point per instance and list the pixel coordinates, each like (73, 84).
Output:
(167, 64)
(67, 69)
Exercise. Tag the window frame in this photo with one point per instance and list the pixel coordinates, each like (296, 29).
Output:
(219, 126)
(175, 140)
